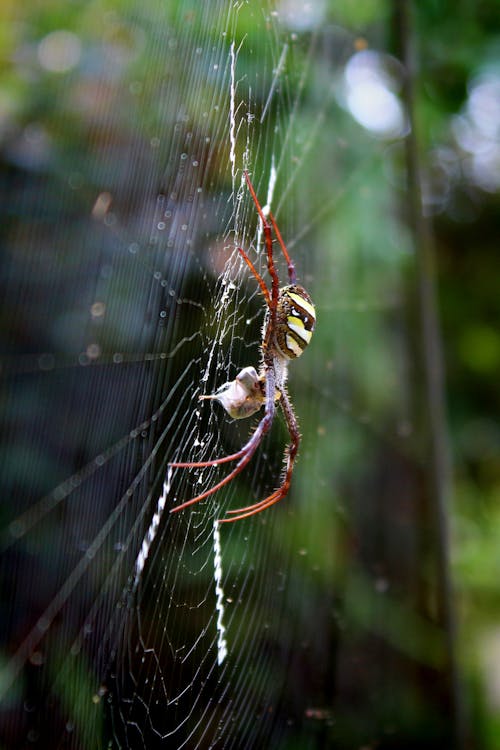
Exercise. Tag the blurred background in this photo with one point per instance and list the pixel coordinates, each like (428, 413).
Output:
(362, 610)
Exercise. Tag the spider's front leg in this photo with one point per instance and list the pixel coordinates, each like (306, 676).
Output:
(291, 452)
(244, 455)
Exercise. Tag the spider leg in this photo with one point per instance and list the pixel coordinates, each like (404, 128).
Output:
(256, 507)
(213, 462)
(291, 453)
(250, 450)
(244, 455)
(263, 219)
(268, 238)
(274, 498)
(261, 282)
(292, 275)
(267, 234)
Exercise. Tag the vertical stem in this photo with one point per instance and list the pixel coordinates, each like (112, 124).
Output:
(431, 365)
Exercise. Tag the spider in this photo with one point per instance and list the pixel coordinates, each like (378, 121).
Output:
(288, 326)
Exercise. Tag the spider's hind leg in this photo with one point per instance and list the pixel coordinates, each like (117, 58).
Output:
(260, 280)
(268, 239)
(292, 274)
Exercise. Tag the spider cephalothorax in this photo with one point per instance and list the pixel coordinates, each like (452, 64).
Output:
(288, 327)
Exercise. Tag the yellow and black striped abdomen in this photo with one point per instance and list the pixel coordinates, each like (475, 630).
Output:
(295, 321)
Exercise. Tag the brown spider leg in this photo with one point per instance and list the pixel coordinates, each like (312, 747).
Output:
(245, 453)
(260, 280)
(268, 238)
(282, 491)
(255, 508)
(212, 462)
(267, 233)
(292, 275)
(271, 500)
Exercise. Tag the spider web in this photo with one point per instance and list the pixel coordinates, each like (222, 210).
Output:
(129, 626)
